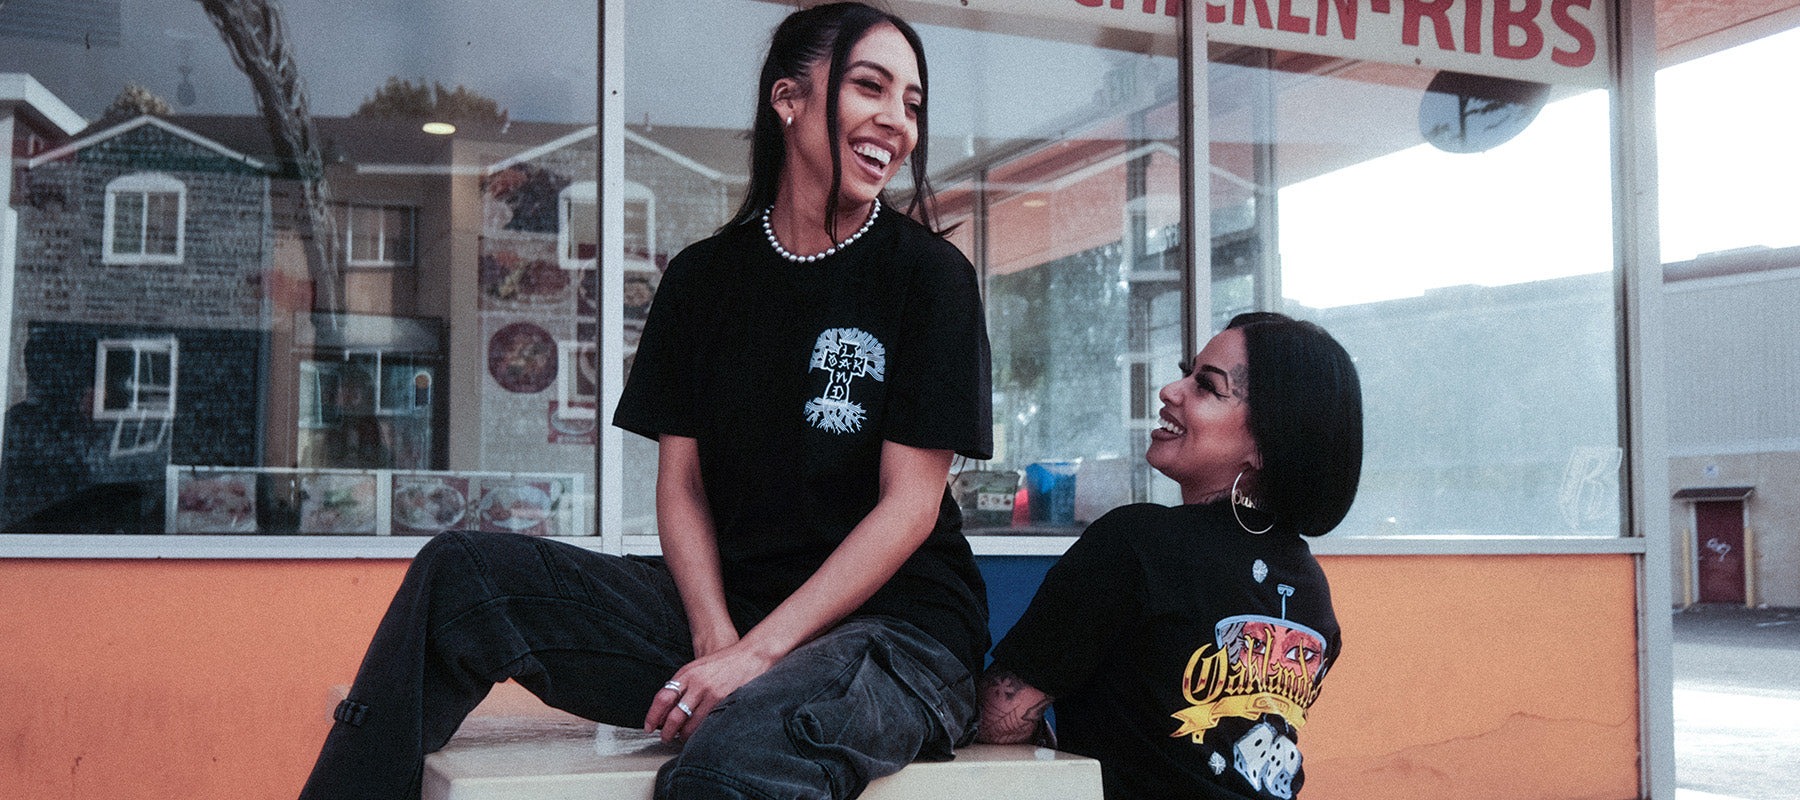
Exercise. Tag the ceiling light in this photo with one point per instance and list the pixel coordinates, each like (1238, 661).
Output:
(439, 128)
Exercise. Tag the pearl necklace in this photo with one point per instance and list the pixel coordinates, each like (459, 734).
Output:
(769, 230)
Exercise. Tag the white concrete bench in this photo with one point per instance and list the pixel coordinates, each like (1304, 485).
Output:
(515, 748)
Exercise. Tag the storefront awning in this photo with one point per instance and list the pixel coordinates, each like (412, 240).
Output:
(1696, 493)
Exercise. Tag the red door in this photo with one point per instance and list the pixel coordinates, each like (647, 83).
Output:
(1719, 535)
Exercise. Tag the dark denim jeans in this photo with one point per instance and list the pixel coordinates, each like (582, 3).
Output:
(596, 635)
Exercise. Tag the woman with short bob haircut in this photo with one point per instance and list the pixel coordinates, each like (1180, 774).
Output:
(1182, 647)
(816, 619)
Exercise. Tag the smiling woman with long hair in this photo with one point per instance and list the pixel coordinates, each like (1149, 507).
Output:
(1183, 646)
(816, 619)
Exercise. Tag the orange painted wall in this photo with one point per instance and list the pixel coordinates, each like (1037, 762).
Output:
(197, 680)
(1475, 677)
(1463, 676)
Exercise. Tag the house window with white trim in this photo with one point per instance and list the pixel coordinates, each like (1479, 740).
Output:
(135, 378)
(377, 236)
(146, 215)
(578, 226)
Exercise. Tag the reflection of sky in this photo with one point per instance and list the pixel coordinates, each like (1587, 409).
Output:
(1534, 208)
(689, 63)
(682, 67)
(1538, 207)
(537, 58)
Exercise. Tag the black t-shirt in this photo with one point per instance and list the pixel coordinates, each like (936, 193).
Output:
(790, 377)
(1182, 652)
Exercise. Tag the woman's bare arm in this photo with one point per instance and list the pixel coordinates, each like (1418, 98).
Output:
(1012, 711)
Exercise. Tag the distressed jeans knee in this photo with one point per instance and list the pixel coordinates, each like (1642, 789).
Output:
(859, 703)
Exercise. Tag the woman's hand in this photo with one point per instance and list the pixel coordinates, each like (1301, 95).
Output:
(911, 485)
(683, 703)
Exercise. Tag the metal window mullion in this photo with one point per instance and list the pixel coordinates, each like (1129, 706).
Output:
(609, 207)
(1196, 195)
(1643, 397)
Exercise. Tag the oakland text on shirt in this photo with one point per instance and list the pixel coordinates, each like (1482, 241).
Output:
(1257, 665)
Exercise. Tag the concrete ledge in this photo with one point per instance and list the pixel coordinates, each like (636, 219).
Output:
(514, 748)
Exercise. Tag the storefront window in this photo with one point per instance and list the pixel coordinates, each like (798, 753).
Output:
(388, 308)
(1453, 229)
(1055, 152)
(336, 281)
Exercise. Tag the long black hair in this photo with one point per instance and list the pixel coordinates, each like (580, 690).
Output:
(1306, 416)
(802, 40)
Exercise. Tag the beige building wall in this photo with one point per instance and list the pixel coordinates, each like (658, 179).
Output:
(1733, 362)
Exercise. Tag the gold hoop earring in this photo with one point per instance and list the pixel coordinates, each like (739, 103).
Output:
(1245, 501)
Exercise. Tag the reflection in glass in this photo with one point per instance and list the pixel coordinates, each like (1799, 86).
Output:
(1464, 113)
(249, 310)
(1474, 289)
(1056, 162)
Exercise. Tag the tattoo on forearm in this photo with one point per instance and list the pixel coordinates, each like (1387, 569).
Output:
(1012, 710)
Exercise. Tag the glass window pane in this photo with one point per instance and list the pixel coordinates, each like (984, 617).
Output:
(118, 391)
(1478, 305)
(397, 236)
(128, 223)
(162, 223)
(584, 230)
(1056, 157)
(389, 315)
(365, 234)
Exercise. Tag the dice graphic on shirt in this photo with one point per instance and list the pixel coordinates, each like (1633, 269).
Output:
(1268, 760)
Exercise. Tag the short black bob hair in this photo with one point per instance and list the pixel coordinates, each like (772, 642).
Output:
(1306, 417)
(805, 37)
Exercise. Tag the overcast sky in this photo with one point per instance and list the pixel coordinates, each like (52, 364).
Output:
(687, 63)
(536, 57)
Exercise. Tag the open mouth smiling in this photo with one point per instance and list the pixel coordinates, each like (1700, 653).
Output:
(875, 155)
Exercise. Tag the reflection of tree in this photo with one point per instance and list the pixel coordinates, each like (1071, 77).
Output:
(402, 99)
(133, 101)
(252, 29)
(1489, 110)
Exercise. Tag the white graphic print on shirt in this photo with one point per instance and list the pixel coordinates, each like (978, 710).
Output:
(845, 354)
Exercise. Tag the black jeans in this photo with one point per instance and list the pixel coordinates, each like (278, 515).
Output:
(597, 635)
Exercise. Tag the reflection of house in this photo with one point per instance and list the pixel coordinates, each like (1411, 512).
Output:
(539, 298)
(138, 310)
(166, 314)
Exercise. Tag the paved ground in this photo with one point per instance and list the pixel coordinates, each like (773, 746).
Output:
(1737, 703)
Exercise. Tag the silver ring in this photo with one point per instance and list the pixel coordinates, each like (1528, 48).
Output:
(684, 708)
(676, 685)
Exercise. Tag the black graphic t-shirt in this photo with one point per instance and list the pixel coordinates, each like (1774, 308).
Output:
(1182, 652)
(790, 377)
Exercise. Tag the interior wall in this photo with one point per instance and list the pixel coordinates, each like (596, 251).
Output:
(1463, 676)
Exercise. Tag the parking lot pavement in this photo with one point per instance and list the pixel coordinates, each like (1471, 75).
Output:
(1737, 703)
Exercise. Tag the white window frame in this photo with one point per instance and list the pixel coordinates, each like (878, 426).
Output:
(136, 409)
(315, 385)
(143, 184)
(580, 194)
(348, 216)
(570, 403)
(139, 436)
